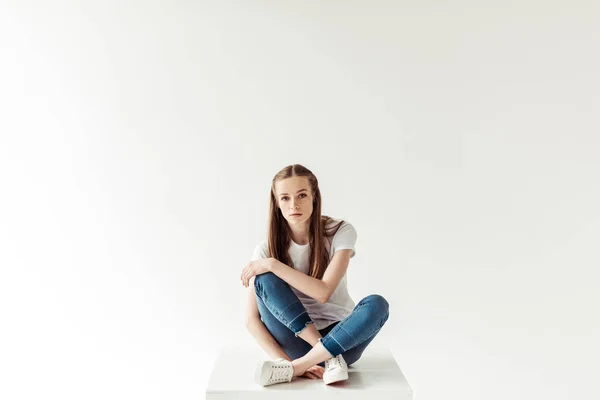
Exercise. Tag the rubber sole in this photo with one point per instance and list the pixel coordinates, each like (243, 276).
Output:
(261, 375)
(339, 376)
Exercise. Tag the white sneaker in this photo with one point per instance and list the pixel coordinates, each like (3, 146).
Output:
(336, 370)
(271, 372)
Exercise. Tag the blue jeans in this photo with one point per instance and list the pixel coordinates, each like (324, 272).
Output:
(285, 317)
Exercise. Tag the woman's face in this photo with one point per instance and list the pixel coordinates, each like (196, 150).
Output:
(294, 197)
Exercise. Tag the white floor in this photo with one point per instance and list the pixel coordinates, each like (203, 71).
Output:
(375, 375)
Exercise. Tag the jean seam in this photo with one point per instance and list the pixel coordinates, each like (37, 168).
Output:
(323, 344)
(281, 313)
(339, 344)
(339, 327)
(298, 316)
(350, 336)
(304, 327)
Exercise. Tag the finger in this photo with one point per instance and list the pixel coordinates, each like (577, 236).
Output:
(316, 373)
(245, 270)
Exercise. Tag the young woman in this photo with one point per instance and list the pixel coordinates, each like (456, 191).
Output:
(299, 309)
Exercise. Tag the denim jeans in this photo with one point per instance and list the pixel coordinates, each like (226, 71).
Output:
(285, 317)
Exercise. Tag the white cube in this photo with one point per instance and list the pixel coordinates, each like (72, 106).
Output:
(375, 376)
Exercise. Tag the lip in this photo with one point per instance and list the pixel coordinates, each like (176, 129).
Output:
(295, 215)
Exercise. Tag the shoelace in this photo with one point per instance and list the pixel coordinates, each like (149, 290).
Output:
(333, 363)
(279, 373)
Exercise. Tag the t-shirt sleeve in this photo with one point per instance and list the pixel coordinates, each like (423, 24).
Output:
(260, 251)
(344, 238)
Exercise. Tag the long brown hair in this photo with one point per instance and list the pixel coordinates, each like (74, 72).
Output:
(279, 232)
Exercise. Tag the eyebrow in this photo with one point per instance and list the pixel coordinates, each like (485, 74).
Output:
(301, 190)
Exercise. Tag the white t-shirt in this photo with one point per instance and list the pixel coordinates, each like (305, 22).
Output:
(340, 304)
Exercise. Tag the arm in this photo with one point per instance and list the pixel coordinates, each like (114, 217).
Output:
(318, 289)
(256, 327)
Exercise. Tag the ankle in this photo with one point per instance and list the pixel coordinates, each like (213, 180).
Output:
(310, 335)
(298, 368)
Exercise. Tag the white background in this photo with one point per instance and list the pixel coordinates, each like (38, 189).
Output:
(138, 141)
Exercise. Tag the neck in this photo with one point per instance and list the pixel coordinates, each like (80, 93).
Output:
(300, 233)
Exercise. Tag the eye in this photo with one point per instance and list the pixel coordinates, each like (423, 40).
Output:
(302, 195)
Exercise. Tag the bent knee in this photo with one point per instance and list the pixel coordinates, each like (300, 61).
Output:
(265, 279)
(378, 302)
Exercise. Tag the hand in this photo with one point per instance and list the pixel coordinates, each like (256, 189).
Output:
(257, 267)
(314, 372)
